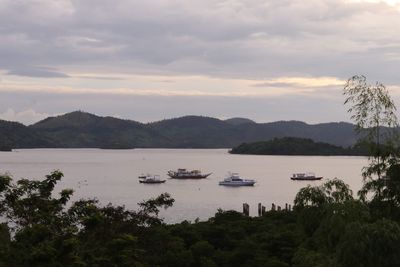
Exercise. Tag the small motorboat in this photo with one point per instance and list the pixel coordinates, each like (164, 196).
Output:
(233, 179)
(307, 176)
(150, 179)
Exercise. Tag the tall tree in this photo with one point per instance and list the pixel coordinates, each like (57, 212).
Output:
(373, 111)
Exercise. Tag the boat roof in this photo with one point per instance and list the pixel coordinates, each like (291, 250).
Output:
(304, 174)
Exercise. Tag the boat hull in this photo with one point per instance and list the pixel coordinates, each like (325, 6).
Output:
(173, 176)
(306, 179)
(237, 184)
(152, 182)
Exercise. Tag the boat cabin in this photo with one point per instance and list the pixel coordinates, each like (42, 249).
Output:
(303, 175)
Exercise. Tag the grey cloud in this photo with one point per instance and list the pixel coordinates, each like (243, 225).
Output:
(277, 84)
(37, 72)
(240, 39)
(101, 78)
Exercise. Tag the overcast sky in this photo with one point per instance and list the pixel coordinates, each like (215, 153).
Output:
(150, 60)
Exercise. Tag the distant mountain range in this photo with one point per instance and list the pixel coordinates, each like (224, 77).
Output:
(84, 130)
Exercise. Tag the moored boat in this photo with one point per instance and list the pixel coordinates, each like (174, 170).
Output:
(234, 179)
(307, 176)
(150, 179)
(186, 174)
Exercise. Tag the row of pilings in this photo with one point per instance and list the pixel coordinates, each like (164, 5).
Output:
(262, 209)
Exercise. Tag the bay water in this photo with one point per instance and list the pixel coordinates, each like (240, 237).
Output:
(111, 176)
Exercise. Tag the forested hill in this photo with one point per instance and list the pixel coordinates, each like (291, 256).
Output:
(17, 135)
(80, 129)
(84, 130)
(296, 146)
(195, 131)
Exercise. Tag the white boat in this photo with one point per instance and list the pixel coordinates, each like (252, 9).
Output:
(150, 179)
(234, 179)
(305, 176)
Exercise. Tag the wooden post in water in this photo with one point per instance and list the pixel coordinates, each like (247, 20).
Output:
(279, 208)
(259, 210)
(286, 206)
(273, 206)
(246, 209)
(290, 207)
(262, 210)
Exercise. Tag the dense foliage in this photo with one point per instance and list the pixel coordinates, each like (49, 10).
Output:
(327, 227)
(296, 146)
(84, 130)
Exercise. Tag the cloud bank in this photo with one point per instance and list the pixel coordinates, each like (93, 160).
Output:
(25, 116)
(204, 49)
(234, 38)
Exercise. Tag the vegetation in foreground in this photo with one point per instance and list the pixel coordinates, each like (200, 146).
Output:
(298, 146)
(327, 227)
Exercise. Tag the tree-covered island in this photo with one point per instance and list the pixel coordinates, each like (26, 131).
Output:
(298, 146)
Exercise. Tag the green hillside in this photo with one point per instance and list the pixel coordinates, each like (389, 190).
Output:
(84, 130)
(81, 129)
(17, 135)
(294, 146)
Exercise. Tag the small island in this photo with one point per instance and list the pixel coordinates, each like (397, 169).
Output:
(296, 146)
(116, 145)
(5, 148)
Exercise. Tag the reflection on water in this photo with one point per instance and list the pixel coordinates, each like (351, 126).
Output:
(111, 176)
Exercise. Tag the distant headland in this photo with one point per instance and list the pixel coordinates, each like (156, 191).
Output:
(297, 146)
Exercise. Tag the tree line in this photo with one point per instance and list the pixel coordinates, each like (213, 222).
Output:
(298, 146)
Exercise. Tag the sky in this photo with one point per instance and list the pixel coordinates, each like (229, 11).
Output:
(157, 59)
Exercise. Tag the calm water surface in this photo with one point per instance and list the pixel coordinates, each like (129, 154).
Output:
(111, 176)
